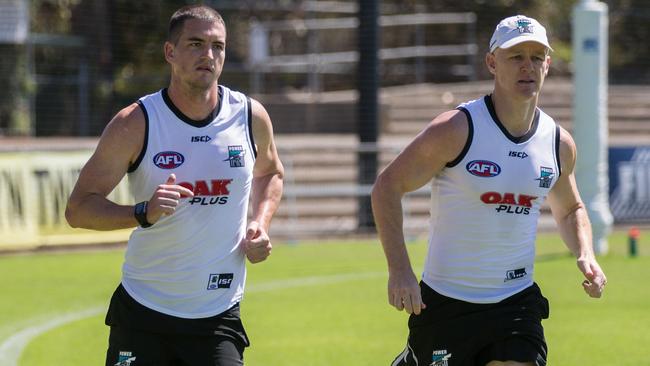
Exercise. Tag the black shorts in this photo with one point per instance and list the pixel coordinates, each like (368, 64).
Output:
(140, 336)
(452, 332)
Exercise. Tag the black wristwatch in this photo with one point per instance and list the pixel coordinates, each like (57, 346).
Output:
(140, 214)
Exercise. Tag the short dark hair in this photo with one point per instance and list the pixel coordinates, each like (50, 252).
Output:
(197, 11)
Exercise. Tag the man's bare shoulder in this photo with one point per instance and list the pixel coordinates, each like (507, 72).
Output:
(130, 119)
(446, 135)
(124, 134)
(568, 151)
(259, 113)
(452, 122)
(261, 123)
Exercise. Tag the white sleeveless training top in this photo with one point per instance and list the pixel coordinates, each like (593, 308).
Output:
(485, 206)
(189, 264)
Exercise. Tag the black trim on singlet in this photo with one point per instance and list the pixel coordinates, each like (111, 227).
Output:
(202, 123)
(145, 141)
(557, 150)
(251, 139)
(517, 140)
(468, 143)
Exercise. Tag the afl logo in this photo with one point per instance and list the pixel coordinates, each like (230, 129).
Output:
(168, 160)
(483, 168)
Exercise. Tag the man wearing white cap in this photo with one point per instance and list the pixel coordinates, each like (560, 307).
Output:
(492, 162)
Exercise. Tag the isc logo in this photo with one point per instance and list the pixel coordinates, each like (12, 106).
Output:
(205, 138)
(483, 168)
(219, 280)
(168, 159)
(514, 274)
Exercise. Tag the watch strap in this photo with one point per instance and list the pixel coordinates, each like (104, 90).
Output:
(140, 213)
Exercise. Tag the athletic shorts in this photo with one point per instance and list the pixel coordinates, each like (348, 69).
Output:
(452, 332)
(140, 336)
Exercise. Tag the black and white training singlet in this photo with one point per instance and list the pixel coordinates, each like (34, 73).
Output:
(189, 264)
(485, 206)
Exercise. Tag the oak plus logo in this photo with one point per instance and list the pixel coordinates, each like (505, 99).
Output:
(483, 168)
(168, 159)
(510, 203)
(212, 192)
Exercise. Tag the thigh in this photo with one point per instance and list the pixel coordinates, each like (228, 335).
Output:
(128, 347)
(425, 347)
(520, 335)
(516, 349)
(444, 334)
(210, 351)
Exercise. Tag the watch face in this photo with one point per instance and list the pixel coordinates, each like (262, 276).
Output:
(141, 214)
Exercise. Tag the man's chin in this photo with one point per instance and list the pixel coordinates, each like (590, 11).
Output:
(527, 92)
(203, 84)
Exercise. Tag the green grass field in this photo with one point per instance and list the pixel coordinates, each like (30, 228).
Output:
(325, 304)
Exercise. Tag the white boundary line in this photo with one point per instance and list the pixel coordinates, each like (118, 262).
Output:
(12, 348)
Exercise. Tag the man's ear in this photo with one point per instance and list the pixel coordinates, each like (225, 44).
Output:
(491, 62)
(548, 65)
(168, 49)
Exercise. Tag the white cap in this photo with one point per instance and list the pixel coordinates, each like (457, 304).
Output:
(516, 29)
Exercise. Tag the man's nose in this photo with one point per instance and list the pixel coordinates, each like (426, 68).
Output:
(208, 52)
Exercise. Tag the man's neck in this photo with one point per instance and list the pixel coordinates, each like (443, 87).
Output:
(195, 104)
(515, 115)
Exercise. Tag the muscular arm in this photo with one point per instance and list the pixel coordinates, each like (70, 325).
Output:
(440, 142)
(571, 217)
(118, 146)
(266, 192)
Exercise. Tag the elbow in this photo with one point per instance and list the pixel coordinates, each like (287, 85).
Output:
(378, 189)
(71, 218)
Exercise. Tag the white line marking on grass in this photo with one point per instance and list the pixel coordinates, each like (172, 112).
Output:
(308, 281)
(13, 347)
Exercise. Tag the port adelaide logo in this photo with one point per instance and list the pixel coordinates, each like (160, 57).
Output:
(125, 358)
(236, 156)
(168, 159)
(483, 168)
(440, 358)
(545, 177)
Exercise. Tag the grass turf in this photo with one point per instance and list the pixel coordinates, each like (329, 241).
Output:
(325, 304)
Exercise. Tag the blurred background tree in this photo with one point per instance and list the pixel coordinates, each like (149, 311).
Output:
(92, 57)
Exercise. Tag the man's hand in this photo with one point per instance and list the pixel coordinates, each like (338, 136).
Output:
(165, 199)
(256, 244)
(404, 292)
(595, 282)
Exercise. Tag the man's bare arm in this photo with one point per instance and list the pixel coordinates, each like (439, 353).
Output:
(266, 193)
(442, 141)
